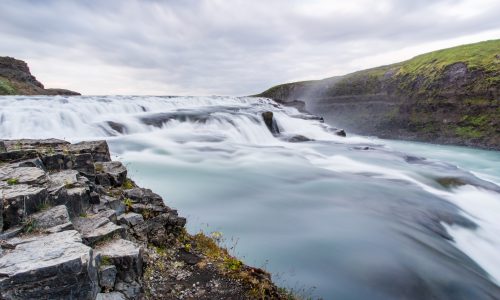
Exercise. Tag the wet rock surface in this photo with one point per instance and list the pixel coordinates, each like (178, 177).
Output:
(73, 226)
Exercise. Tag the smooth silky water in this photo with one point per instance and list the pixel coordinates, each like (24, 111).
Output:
(343, 218)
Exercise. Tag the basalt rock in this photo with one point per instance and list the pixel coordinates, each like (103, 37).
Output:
(111, 173)
(72, 226)
(270, 122)
(56, 266)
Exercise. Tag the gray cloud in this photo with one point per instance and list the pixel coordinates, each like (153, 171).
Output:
(225, 47)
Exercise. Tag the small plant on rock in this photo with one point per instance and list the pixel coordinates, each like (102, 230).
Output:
(128, 204)
(105, 260)
(43, 206)
(232, 264)
(98, 167)
(29, 225)
(128, 184)
(12, 181)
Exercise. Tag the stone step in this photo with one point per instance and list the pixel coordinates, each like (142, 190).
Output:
(32, 268)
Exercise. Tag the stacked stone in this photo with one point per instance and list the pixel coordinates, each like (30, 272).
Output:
(72, 226)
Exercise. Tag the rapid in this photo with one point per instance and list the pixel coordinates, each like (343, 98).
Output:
(334, 217)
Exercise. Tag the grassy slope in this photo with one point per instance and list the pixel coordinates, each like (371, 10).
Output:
(471, 108)
(6, 88)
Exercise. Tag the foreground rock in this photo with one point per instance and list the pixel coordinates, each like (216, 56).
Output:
(54, 266)
(73, 226)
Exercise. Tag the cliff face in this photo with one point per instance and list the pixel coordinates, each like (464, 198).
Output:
(450, 96)
(16, 79)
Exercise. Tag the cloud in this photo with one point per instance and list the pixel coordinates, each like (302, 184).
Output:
(232, 47)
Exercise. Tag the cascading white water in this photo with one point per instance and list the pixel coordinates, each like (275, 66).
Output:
(356, 217)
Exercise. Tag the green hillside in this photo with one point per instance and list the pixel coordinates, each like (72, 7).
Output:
(446, 96)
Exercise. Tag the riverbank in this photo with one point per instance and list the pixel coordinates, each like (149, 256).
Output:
(74, 225)
(449, 96)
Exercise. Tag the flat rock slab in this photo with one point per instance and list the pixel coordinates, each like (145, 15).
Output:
(57, 215)
(97, 229)
(125, 255)
(130, 219)
(33, 268)
(62, 179)
(28, 175)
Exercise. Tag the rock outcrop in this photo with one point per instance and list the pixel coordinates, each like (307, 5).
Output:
(74, 226)
(16, 79)
(451, 96)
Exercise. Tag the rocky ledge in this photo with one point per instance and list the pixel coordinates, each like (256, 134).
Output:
(16, 79)
(74, 226)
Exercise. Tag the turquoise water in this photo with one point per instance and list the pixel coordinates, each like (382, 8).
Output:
(337, 218)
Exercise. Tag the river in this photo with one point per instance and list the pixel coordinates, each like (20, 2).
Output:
(335, 218)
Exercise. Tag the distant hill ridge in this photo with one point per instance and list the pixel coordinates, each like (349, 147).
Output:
(16, 79)
(450, 96)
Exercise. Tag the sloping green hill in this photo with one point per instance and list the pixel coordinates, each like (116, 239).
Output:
(446, 96)
(16, 79)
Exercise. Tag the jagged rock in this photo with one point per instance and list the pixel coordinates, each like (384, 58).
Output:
(35, 144)
(19, 201)
(57, 215)
(110, 296)
(107, 276)
(2, 147)
(158, 230)
(17, 155)
(111, 173)
(141, 195)
(107, 202)
(271, 122)
(56, 266)
(61, 161)
(125, 255)
(65, 178)
(98, 150)
(130, 219)
(96, 229)
(108, 213)
(131, 290)
(148, 210)
(77, 200)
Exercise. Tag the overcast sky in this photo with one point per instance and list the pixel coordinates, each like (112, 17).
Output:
(227, 47)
